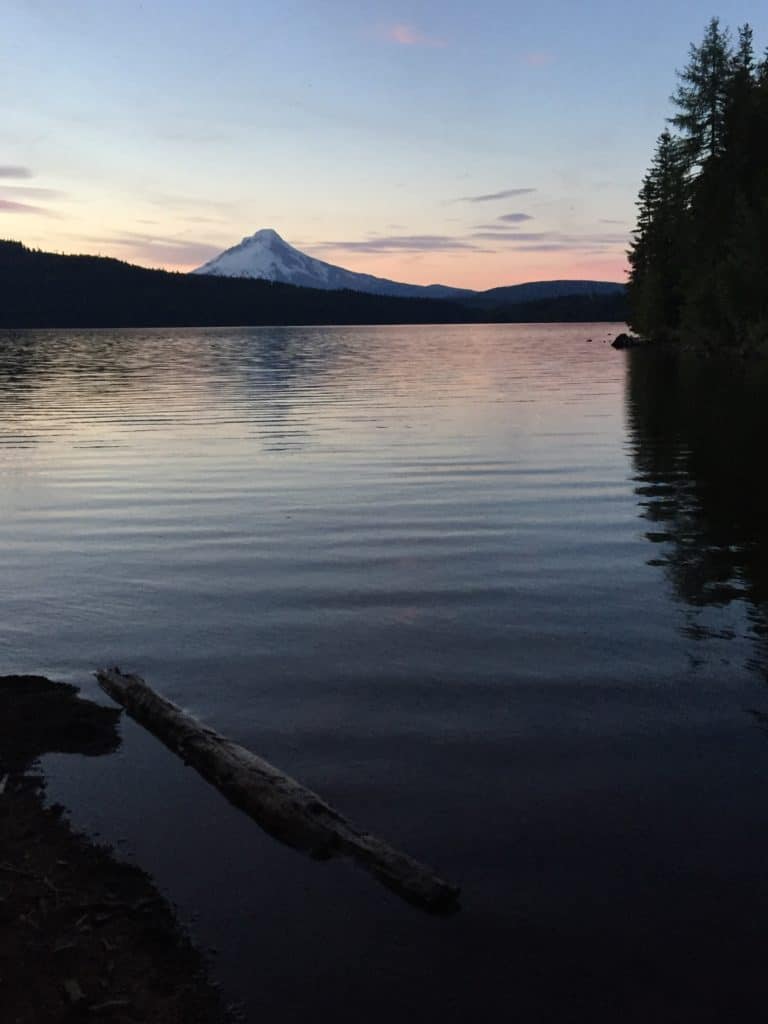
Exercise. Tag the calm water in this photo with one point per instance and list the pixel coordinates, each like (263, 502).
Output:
(498, 594)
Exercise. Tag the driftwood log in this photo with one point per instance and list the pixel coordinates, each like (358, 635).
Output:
(279, 804)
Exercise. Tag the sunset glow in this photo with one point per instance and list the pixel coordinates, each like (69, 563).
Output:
(473, 148)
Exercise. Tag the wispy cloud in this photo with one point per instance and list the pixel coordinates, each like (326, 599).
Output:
(486, 238)
(14, 171)
(408, 35)
(505, 222)
(160, 250)
(537, 59)
(10, 206)
(515, 218)
(403, 243)
(506, 193)
(555, 241)
(501, 235)
(30, 192)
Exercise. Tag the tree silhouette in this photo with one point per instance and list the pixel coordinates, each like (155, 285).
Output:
(699, 255)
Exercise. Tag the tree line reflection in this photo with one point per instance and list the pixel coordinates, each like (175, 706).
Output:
(697, 428)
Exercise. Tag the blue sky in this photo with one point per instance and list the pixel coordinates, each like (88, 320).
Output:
(364, 132)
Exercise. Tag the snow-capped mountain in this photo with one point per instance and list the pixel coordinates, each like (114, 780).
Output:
(267, 256)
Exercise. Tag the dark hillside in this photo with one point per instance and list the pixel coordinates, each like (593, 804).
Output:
(542, 291)
(39, 289)
(564, 309)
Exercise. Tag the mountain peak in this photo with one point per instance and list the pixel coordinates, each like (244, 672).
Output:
(265, 235)
(265, 255)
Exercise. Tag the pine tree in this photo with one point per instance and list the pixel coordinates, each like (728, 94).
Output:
(701, 95)
(656, 252)
(699, 258)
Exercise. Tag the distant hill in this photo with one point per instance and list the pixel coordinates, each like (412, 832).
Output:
(266, 256)
(539, 291)
(40, 289)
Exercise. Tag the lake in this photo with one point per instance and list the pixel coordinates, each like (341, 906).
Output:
(498, 594)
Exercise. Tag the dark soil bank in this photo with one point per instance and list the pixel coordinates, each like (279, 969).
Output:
(82, 936)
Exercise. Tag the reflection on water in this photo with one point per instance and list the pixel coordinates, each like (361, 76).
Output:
(408, 566)
(56, 382)
(698, 427)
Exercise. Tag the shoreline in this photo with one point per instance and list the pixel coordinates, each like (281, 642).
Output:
(703, 349)
(81, 933)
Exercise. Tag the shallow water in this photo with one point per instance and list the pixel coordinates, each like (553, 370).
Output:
(498, 594)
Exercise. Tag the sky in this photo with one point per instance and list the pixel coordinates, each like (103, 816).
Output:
(473, 145)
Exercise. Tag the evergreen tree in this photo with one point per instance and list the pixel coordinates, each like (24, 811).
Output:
(657, 249)
(701, 94)
(699, 258)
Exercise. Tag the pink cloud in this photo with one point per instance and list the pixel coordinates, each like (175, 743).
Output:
(158, 250)
(407, 35)
(9, 206)
(537, 60)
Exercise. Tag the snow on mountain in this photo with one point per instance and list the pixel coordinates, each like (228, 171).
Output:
(267, 256)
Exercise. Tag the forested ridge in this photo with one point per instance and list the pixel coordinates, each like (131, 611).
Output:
(699, 255)
(41, 289)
